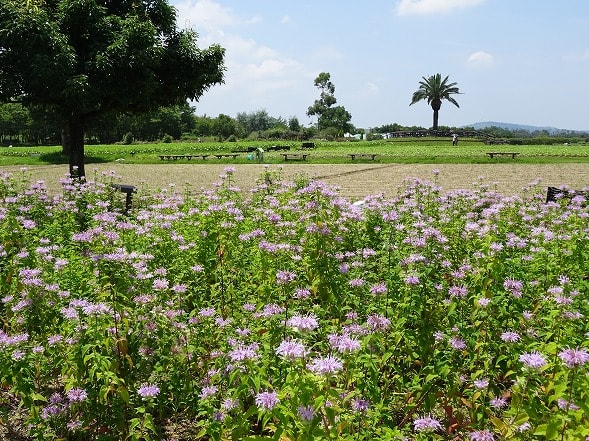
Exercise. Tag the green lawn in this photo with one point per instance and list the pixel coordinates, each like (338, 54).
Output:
(425, 150)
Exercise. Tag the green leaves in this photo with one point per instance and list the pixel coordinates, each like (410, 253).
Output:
(434, 90)
(86, 59)
(328, 116)
(173, 314)
(550, 430)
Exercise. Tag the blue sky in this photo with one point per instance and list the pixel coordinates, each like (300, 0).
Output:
(516, 61)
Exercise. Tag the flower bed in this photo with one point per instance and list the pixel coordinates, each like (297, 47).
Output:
(286, 311)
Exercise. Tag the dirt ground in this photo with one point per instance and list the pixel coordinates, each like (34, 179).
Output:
(355, 180)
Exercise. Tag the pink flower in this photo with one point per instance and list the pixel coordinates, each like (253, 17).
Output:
(510, 337)
(327, 365)
(412, 279)
(377, 322)
(574, 357)
(207, 392)
(426, 424)
(306, 413)
(481, 383)
(267, 400)
(284, 277)
(481, 435)
(498, 402)
(457, 343)
(76, 395)
(291, 350)
(379, 288)
(148, 391)
(533, 359)
(160, 284)
(303, 323)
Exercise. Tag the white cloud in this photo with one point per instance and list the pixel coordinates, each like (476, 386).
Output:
(286, 19)
(258, 69)
(409, 7)
(204, 15)
(256, 73)
(480, 59)
(270, 74)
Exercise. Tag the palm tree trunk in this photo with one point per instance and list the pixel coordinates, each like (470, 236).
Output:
(435, 126)
(436, 104)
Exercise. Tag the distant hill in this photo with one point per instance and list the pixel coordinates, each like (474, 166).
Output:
(513, 127)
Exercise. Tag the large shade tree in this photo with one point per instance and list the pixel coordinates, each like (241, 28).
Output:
(85, 58)
(328, 115)
(434, 90)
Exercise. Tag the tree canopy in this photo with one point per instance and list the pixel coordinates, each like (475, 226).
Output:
(433, 89)
(256, 121)
(328, 116)
(86, 58)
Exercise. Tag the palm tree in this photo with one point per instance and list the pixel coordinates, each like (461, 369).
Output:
(434, 90)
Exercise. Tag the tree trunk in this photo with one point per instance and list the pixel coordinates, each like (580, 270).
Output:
(65, 140)
(436, 104)
(75, 127)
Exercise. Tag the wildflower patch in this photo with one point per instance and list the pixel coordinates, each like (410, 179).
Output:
(287, 312)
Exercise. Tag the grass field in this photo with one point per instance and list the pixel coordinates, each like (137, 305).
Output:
(423, 150)
(465, 166)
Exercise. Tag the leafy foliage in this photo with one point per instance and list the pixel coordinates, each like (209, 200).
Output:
(328, 116)
(434, 90)
(84, 58)
(288, 312)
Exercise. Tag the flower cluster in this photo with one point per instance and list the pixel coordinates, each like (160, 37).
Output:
(286, 310)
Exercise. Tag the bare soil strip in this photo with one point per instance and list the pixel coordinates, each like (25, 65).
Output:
(352, 172)
(355, 181)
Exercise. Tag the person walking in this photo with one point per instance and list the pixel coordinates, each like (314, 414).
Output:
(454, 139)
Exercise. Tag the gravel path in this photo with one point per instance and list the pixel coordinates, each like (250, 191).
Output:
(355, 180)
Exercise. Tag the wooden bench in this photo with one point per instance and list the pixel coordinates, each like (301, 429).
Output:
(555, 194)
(372, 156)
(295, 156)
(227, 155)
(493, 154)
(308, 145)
(176, 157)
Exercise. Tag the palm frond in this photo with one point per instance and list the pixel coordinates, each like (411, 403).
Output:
(434, 87)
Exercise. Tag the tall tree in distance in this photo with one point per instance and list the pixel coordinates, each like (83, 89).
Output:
(434, 90)
(328, 115)
(85, 58)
